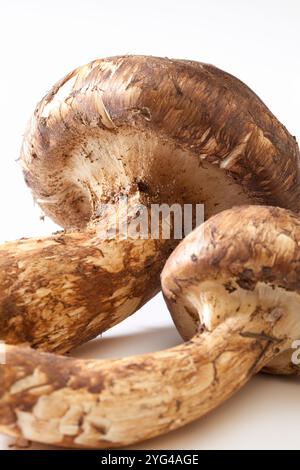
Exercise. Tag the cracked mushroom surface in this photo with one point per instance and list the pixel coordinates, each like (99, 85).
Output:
(153, 130)
(236, 300)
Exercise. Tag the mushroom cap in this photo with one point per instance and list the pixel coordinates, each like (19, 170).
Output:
(171, 130)
(246, 258)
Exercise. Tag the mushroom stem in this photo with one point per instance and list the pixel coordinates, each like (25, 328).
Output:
(60, 291)
(108, 403)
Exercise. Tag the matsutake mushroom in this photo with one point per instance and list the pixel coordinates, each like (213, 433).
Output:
(154, 131)
(233, 289)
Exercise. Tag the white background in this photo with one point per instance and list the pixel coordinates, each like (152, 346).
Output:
(256, 40)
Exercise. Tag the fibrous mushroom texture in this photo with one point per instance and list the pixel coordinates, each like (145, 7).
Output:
(232, 286)
(149, 129)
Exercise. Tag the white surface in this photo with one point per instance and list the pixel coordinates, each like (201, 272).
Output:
(256, 40)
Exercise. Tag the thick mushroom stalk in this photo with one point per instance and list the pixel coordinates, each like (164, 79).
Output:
(157, 131)
(60, 291)
(241, 299)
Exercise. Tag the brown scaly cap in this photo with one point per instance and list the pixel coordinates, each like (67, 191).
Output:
(248, 244)
(185, 130)
(246, 259)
